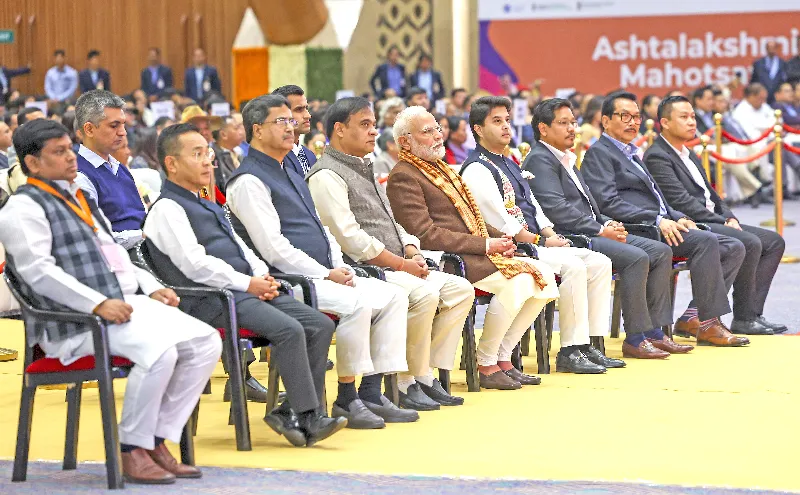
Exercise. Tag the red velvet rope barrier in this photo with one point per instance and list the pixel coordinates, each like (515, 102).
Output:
(748, 159)
(790, 129)
(791, 148)
(640, 141)
(733, 139)
(696, 141)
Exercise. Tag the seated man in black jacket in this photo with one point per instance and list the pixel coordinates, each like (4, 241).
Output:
(626, 192)
(679, 174)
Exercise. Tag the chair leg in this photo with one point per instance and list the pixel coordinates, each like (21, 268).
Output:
(236, 372)
(108, 411)
(470, 354)
(542, 346)
(598, 343)
(525, 343)
(549, 320)
(616, 312)
(444, 379)
(392, 389)
(207, 390)
(516, 357)
(23, 433)
(187, 438)
(273, 386)
(73, 423)
(195, 418)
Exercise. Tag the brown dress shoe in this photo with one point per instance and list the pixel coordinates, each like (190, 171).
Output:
(670, 346)
(646, 350)
(687, 328)
(139, 467)
(718, 335)
(162, 456)
(499, 381)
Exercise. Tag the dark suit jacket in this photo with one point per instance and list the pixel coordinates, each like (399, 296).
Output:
(736, 132)
(3, 160)
(10, 73)
(679, 187)
(85, 82)
(380, 80)
(150, 88)
(291, 161)
(437, 87)
(623, 192)
(761, 75)
(793, 70)
(791, 113)
(426, 212)
(209, 75)
(560, 199)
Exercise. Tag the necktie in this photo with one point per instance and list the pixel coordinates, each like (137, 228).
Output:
(301, 155)
(154, 75)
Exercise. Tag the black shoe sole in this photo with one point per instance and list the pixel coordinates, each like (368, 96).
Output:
(320, 436)
(684, 334)
(137, 481)
(709, 344)
(416, 406)
(586, 372)
(294, 436)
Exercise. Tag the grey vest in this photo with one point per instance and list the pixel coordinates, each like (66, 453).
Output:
(367, 198)
(75, 249)
(292, 200)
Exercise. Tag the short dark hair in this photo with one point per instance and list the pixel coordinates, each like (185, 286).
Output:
(341, 110)
(289, 90)
(257, 109)
(31, 138)
(609, 103)
(22, 116)
(167, 144)
(753, 89)
(545, 113)
(59, 52)
(162, 120)
(699, 92)
(481, 108)
(647, 100)
(155, 49)
(453, 121)
(665, 107)
(424, 56)
(456, 90)
(716, 91)
(92, 54)
(414, 91)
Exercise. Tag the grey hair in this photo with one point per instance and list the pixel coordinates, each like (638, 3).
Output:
(392, 102)
(402, 125)
(91, 107)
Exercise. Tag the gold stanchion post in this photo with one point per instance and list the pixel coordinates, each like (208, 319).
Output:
(650, 132)
(704, 157)
(718, 144)
(778, 159)
(578, 149)
(524, 149)
(319, 147)
(771, 221)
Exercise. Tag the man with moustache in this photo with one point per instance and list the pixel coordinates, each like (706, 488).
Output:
(679, 174)
(507, 204)
(626, 192)
(431, 201)
(643, 265)
(301, 159)
(355, 208)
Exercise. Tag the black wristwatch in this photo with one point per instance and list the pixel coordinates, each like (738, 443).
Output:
(542, 241)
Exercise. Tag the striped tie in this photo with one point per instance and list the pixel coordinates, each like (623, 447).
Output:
(303, 160)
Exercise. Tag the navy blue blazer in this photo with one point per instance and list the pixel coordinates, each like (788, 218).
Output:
(9, 74)
(293, 163)
(761, 75)
(85, 82)
(437, 86)
(151, 88)
(380, 80)
(209, 75)
(622, 191)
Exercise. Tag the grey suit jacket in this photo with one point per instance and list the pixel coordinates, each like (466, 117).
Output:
(562, 202)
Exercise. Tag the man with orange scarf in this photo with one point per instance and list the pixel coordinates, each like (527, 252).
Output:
(432, 202)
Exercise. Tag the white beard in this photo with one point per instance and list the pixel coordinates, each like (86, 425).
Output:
(429, 154)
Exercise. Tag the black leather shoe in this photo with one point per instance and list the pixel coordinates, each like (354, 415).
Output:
(329, 366)
(254, 391)
(318, 427)
(597, 357)
(417, 400)
(438, 393)
(522, 378)
(776, 327)
(577, 363)
(359, 417)
(752, 327)
(283, 421)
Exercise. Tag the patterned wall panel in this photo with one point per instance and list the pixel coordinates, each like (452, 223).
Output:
(407, 25)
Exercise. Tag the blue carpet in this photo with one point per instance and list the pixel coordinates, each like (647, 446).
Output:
(48, 478)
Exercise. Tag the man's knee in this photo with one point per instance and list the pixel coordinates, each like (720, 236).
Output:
(733, 250)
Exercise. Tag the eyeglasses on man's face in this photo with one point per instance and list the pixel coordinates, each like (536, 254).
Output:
(429, 131)
(282, 122)
(566, 123)
(199, 155)
(626, 117)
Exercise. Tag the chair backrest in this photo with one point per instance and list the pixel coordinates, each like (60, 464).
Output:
(13, 286)
(143, 260)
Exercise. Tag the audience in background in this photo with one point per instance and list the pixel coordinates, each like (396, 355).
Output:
(389, 154)
(201, 79)
(6, 75)
(61, 81)
(93, 76)
(428, 79)
(156, 77)
(770, 71)
(390, 75)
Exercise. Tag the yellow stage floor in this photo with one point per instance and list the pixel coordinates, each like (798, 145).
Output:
(715, 417)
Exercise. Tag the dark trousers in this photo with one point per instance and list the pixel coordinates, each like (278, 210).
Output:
(644, 268)
(300, 336)
(714, 262)
(763, 250)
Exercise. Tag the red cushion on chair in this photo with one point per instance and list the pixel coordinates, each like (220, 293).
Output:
(482, 293)
(243, 333)
(331, 316)
(678, 259)
(53, 365)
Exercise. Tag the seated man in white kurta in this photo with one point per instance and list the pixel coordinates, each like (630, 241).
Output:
(273, 212)
(61, 249)
(507, 204)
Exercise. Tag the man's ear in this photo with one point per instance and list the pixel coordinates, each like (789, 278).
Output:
(33, 164)
(402, 141)
(478, 130)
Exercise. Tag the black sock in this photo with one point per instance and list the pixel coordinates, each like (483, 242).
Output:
(347, 394)
(127, 448)
(159, 441)
(370, 389)
(566, 351)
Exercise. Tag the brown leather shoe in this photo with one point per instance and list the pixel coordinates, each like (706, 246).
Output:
(162, 456)
(687, 328)
(718, 335)
(139, 467)
(646, 350)
(670, 346)
(499, 381)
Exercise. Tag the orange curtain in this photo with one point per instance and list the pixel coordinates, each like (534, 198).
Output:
(250, 73)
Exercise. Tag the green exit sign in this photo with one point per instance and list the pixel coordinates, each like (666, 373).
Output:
(6, 36)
